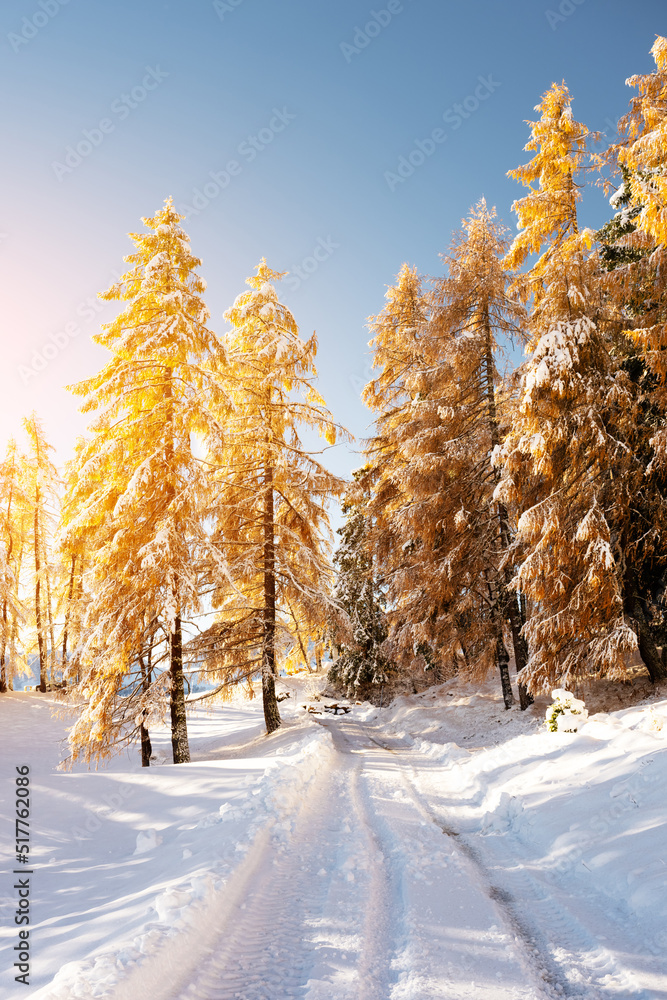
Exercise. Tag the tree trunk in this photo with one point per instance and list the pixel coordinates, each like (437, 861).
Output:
(271, 712)
(146, 746)
(518, 641)
(653, 661)
(5, 622)
(508, 602)
(49, 614)
(13, 639)
(3, 670)
(38, 605)
(70, 596)
(179, 727)
(504, 669)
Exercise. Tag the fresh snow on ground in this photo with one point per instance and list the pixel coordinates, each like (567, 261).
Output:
(437, 849)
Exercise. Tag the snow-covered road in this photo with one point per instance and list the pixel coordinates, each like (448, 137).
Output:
(363, 857)
(366, 898)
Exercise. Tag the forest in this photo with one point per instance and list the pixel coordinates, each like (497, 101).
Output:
(503, 516)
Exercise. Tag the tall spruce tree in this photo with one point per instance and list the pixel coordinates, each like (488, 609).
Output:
(358, 629)
(570, 462)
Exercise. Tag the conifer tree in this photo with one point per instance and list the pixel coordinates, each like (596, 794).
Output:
(271, 497)
(441, 537)
(634, 258)
(395, 395)
(138, 503)
(358, 628)
(641, 155)
(569, 463)
(471, 314)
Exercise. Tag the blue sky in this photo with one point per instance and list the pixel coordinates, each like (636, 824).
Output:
(170, 93)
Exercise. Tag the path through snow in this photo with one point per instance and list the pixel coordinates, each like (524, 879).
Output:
(364, 897)
(348, 861)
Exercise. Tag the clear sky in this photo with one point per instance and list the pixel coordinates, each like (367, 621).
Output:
(312, 104)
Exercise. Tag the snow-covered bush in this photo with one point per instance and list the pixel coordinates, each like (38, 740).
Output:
(566, 714)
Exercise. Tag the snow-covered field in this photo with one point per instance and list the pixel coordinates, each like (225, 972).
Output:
(440, 848)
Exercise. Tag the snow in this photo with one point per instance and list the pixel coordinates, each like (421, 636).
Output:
(439, 848)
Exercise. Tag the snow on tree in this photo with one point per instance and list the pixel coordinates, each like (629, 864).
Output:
(634, 257)
(359, 633)
(570, 464)
(398, 397)
(270, 498)
(440, 536)
(137, 503)
(641, 155)
(471, 315)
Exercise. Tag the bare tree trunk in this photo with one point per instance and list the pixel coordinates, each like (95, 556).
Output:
(49, 613)
(5, 623)
(76, 663)
(146, 671)
(38, 604)
(179, 727)
(271, 712)
(15, 621)
(504, 669)
(509, 604)
(3, 669)
(68, 613)
(648, 650)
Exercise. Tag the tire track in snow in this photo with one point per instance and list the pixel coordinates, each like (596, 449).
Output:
(267, 947)
(430, 951)
(383, 904)
(566, 958)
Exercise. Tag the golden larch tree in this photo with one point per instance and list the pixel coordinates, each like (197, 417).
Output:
(398, 397)
(270, 498)
(473, 317)
(136, 504)
(569, 464)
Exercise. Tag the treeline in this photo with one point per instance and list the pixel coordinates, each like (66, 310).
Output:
(192, 522)
(523, 515)
(498, 515)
